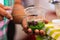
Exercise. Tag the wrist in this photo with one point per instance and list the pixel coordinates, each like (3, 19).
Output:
(18, 18)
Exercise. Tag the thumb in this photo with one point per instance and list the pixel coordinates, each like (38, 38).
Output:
(5, 14)
(24, 23)
(7, 8)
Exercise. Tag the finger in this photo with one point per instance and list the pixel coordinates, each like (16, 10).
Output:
(42, 32)
(1, 18)
(36, 31)
(29, 31)
(7, 8)
(24, 24)
(1, 5)
(4, 13)
(46, 21)
(25, 30)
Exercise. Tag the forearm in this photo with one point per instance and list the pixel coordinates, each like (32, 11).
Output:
(18, 11)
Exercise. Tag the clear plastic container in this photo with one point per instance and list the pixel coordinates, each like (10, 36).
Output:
(36, 11)
(57, 8)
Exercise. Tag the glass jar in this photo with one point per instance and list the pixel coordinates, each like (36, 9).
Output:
(34, 18)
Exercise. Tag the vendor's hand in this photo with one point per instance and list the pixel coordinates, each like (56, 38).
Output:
(3, 12)
(29, 30)
(50, 14)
